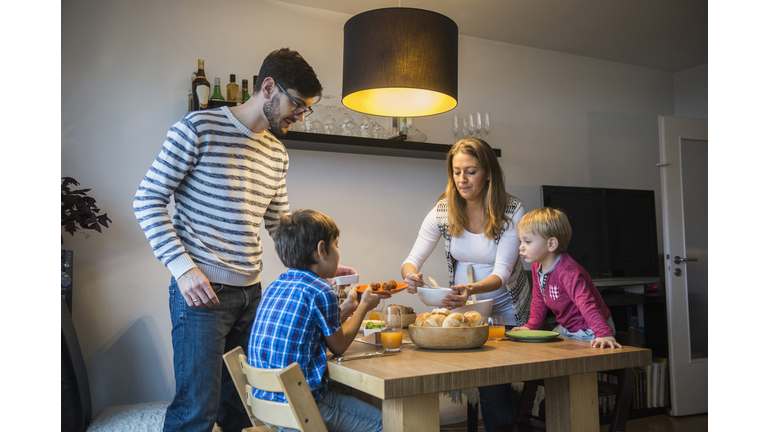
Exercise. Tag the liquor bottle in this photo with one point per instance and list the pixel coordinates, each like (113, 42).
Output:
(201, 88)
(189, 94)
(232, 88)
(217, 100)
(217, 90)
(245, 94)
(253, 93)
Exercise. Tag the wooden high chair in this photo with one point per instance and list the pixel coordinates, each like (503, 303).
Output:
(299, 413)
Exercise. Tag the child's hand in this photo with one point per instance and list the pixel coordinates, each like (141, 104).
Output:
(605, 342)
(520, 328)
(369, 300)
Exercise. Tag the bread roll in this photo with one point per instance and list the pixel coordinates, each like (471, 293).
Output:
(454, 320)
(430, 323)
(421, 318)
(442, 311)
(438, 318)
(473, 318)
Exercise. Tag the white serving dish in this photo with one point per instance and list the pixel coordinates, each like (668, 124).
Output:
(433, 296)
(483, 307)
(348, 279)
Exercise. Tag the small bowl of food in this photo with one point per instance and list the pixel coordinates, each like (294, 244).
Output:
(347, 280)
(433, 296)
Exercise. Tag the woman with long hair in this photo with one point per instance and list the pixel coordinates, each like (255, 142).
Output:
(477, 218)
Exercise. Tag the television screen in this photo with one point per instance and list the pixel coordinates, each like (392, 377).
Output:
(614, 232)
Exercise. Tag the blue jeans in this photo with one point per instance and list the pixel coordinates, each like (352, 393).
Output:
(343, 413)
(205, 392)
(497, 406)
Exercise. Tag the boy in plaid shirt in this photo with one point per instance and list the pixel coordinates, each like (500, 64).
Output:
(299, 317)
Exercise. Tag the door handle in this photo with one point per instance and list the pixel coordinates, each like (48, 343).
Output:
(679, 260)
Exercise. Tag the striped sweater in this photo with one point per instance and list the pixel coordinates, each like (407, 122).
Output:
(224, 179)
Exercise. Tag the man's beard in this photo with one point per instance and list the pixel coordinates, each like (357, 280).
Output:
(271, 112)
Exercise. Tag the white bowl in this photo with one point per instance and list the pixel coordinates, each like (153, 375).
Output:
(348, 279)
(483, 307)
(433, 296)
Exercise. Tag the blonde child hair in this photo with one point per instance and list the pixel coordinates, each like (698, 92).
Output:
(547, 222)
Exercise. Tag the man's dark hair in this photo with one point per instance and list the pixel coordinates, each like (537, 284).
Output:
(298, 234)
(289, 68)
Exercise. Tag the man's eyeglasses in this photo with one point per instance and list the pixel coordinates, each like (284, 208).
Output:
(299, 110)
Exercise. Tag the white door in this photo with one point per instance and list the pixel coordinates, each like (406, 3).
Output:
(683, 143)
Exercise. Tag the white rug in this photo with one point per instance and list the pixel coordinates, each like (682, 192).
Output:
(143, 417)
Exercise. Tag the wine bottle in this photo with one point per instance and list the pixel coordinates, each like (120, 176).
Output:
(217, 90)
(245, 94)
(253, 93)
(201, 88)
(232, 88)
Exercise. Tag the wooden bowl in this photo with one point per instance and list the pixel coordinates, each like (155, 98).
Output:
(448, 337)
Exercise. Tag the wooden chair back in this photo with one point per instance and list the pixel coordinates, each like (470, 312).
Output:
(299, 413)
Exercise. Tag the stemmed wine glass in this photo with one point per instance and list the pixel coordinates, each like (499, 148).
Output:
(456, 128)
(465, 130)
(478, 124)
(471, 124)
(487, 124)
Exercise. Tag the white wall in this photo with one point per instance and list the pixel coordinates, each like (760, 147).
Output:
(691, 92)
(558, 119)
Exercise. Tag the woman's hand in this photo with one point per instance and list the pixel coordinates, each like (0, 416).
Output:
(414, 280)
(520, 328)
(452, 301)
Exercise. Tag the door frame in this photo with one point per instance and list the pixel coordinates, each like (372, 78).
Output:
(688, 391)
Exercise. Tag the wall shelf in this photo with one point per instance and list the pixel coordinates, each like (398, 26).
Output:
(368, 146)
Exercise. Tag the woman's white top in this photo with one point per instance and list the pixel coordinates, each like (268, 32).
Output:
(486, 257)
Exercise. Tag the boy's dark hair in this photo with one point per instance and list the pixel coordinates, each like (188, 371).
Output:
(298, 234)
(289, 68)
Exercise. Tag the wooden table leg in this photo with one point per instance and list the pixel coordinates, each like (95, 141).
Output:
(412, 413)
(572, 403)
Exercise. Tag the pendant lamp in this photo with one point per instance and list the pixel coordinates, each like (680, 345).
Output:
(400, 62)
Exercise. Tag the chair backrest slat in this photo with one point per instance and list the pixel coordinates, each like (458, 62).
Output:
(300, 412)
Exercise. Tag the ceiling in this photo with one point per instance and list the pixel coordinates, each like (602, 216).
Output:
(668, 35)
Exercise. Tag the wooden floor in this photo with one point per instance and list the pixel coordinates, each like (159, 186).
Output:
(660, 423)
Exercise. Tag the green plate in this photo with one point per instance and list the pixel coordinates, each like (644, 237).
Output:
(532, 335)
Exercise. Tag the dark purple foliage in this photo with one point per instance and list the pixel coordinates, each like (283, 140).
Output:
(78, 210)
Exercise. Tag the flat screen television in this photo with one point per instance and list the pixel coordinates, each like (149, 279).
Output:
(614, 232)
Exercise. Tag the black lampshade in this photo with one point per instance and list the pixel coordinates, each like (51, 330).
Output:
(400, 62)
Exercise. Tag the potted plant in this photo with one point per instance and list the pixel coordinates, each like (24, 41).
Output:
(79, 211)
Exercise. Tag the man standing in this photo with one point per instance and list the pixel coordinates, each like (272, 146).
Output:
(226, 172)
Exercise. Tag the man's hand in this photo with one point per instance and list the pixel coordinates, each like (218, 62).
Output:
(341, 271)
(196, 289)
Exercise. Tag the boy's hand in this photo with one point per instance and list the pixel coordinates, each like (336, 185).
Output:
(369, 300)
(605, 342)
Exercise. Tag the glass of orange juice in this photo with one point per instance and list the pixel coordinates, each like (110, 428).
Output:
(496, 327)
(392, 329)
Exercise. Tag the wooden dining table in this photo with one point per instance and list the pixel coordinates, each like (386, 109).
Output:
(409, 382)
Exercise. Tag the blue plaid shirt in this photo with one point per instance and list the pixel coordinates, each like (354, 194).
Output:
(294, 314)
